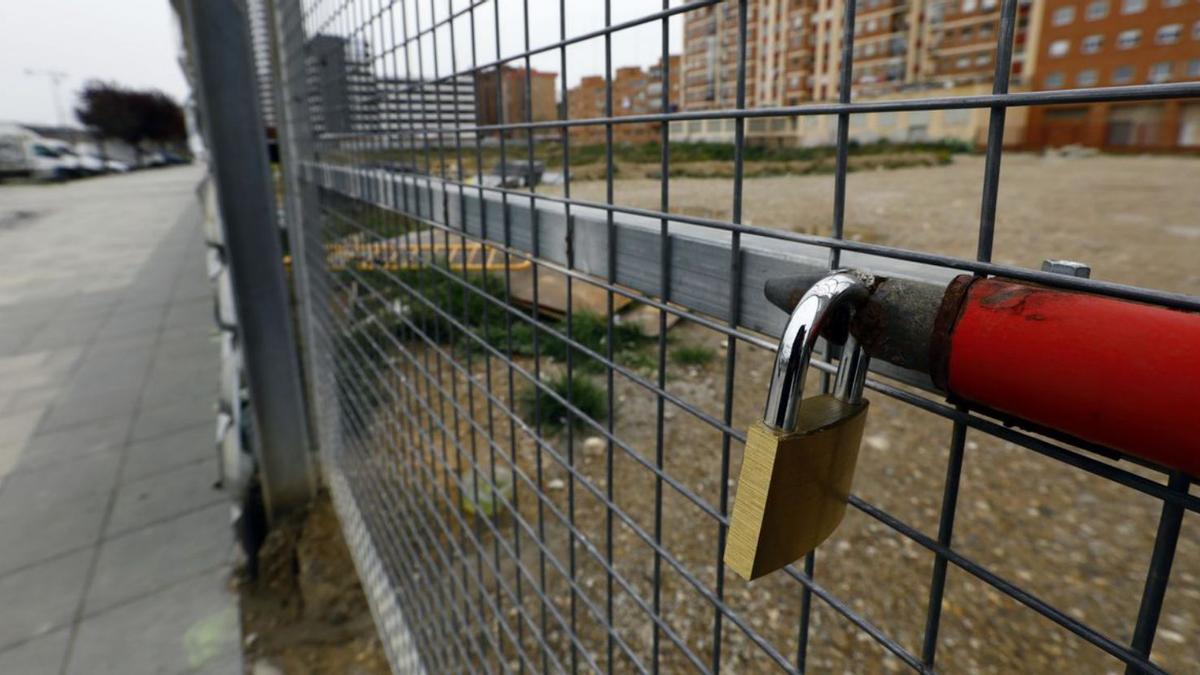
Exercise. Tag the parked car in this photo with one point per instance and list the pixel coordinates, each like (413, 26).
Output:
(172, 158)
(47, 163)
(70, 162)
(91, 165)
(116, 166)
(29, 155)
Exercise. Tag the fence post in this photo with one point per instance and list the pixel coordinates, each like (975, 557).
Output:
(302, 211)
(237, 142)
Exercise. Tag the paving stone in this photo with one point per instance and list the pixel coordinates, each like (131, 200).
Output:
(76, 408)
(190, 627)
(26, 400)
(33, 534)
(139, 322)
(157, 556)
(87, 476)
(16, 429)
(40, 656)
(39, 599)
(169, 451)
(71, 443)
(9, 456)
(175, 416)
(165, 495)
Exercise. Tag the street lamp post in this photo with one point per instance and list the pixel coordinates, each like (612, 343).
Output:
(56, 78)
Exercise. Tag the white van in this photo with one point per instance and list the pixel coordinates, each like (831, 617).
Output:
(24, 153)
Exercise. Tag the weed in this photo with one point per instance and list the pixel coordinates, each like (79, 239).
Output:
(582, 393)
(692, 355)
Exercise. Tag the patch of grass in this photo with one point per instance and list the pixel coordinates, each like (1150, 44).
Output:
(466, 303)
(692, 355)
(580, 391)
(593, 155)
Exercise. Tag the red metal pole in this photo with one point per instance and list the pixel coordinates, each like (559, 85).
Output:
(1121, 374)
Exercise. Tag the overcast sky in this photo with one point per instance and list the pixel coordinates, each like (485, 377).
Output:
(136, 43)
(133, 42)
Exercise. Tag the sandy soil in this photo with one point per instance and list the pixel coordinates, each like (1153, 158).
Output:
(1077, 542)
(305, 614)
(1132, 218)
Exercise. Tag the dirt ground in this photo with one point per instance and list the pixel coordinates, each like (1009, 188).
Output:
(1080, 543)
(305, 614)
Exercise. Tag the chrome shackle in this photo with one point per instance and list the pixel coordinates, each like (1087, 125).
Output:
(841, 288)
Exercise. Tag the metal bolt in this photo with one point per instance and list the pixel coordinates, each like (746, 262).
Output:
(1067, 267)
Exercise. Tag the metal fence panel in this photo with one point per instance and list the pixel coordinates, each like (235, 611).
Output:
(531, 484)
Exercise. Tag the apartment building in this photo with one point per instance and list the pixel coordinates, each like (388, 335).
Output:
(907, 48)
(794, 57)
(634, 92)
(512, 103)
(959, 42)
(1103, 43)
(425, 113)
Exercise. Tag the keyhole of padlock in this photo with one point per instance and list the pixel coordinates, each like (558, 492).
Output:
(799, 459)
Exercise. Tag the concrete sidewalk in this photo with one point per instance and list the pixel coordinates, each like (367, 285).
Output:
(115, 549)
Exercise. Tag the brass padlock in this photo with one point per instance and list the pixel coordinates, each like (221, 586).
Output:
(799, 460)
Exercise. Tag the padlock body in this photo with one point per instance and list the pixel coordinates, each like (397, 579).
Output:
(793, 486)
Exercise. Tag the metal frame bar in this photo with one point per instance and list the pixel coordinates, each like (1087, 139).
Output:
(224, 66)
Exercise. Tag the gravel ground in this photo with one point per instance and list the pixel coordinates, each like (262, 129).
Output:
(1078, 542)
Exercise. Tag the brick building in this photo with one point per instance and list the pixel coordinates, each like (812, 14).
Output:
(511, 105)
(1102, 43)
(905, 48)
(634, 92)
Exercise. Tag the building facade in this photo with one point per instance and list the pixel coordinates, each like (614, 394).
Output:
(426, 113)
(634, 92)
(501, 97)
(1104, 43)
(912, 48)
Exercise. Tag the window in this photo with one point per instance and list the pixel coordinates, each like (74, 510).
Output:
(1064, 15)
(1160, 72)
(969, 5)
(1097, 10)
(1091, 44)
(1060, 47)
(1196, 31)
(1123, 75)
(1053, 80)
(985, 30)
(967, 33)
(989, 4)
(1193, 68)
(1133, 6)
(1087, 78)
(956, 117)
(1172, 3)
(1128, 39)
(983, 59)
(962, 62)
(1168, 34)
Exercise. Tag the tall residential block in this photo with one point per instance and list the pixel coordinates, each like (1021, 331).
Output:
(634, 92)
(914, 48)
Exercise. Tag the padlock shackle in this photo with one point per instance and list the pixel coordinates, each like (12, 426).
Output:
(799, 337)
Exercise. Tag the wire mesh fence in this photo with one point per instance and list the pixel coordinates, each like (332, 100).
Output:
(533, 380)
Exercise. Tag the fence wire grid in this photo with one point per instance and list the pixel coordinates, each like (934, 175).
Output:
(533, 396)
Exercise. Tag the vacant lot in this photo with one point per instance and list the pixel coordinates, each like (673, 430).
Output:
(1078, 542)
